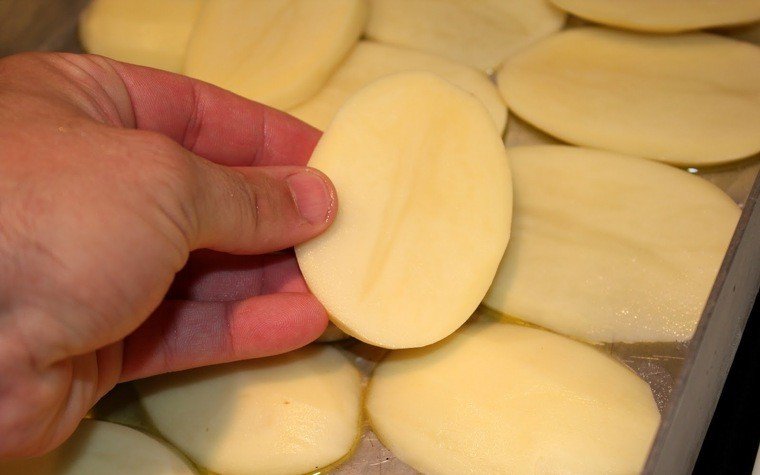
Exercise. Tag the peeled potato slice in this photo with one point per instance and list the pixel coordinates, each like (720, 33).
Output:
(664, 15)
(424, 216)
(287, 414)
(102, 447)
(151, 33)
(687, 100)
(610, 248)
(479, 33)
(370, 61)
(278, 52)
(500, 398)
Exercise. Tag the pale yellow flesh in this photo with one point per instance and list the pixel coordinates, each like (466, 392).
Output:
(480, 33)
(610, 248)
(98, 448)
(370, 61)
(425, 209)
(501, 398)
(690, 99)
(151, 33)
(278, 52)
(665, 16)
(287, 414)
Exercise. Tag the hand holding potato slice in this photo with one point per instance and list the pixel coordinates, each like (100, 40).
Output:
(425, 207)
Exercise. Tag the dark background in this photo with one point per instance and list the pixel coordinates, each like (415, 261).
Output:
(731, 444)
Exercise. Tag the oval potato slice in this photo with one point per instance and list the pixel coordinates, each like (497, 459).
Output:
(610, 248)
(151, 33)
(293, 413)
(691, 99)
(664, 16)
(479, 33)
(278, 52)
(98, 447)
(502, 398)
(425, 208)
(370, 61)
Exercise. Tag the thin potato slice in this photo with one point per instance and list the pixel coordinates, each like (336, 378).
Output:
(151, 33)
(425, 210)
(687, 100)
(479, 33)
(278, 52)
(287, 414)
(664, 16)
(502, 398)
(98, 448)
(610, 248)
(370, 61)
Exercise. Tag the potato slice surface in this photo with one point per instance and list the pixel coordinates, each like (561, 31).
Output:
(479, 33)
(293, 413)
(151, 33)
(98, 447)
(610, 248)
(502, 398)
(278, 52)
(690, 99)
(370, 61)
(664, 16)
(425, 209)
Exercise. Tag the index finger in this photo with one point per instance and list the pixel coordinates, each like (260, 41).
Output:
(213, 123)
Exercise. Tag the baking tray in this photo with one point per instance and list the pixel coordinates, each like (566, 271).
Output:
(686, 378)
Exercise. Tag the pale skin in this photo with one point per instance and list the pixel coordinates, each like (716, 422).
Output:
(111, 176)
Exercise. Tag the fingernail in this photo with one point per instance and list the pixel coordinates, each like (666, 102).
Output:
(312, 195)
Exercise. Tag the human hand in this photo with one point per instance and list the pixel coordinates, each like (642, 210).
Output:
(103, 196)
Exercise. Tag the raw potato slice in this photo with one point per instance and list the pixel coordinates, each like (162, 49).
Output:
(151, 33)
(370, 61)
(278, 52)
(610, 248)
(687, 100)
(287, 414)
(480, 33)
(425, 209)
(501, 398)
(665, 16)
(98, 448)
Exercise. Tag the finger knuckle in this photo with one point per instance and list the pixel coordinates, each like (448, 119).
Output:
(248, 199)
(170, 180)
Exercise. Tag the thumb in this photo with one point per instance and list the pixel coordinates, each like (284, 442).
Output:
(256, 210)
